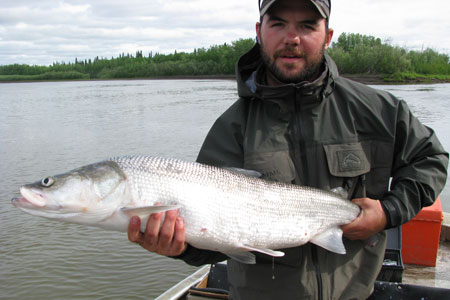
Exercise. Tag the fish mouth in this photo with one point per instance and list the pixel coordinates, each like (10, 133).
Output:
(22, 202)
(34, 203)
(32, 197)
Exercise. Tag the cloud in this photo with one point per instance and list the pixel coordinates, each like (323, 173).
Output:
(406, 23)
(46, 31)
(69, 29)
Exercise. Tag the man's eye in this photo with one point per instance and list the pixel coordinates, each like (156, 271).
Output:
(308, 27)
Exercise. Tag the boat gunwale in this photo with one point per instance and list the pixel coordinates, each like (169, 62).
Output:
(181, 288)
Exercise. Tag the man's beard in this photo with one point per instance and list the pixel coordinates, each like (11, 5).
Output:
(309, 72)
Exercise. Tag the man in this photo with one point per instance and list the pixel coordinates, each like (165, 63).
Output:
(298, 121)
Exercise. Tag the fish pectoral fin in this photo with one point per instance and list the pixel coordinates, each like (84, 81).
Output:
(330, 240)
(269, 252)
(243, 257)
(144, 211)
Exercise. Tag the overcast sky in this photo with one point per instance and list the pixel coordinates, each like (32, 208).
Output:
(45, 31)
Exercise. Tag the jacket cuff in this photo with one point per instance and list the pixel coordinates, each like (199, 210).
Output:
(392, 207)
(184, 254)
(198, 257)
(387, 212)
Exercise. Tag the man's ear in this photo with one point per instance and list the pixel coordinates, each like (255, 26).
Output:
(258, 32)
(329, 37)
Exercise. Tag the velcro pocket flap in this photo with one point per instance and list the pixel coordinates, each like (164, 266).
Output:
(347, 160)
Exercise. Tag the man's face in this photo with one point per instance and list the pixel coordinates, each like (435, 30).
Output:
(293, 39)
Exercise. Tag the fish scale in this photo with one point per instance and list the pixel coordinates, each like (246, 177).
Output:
(223, 210)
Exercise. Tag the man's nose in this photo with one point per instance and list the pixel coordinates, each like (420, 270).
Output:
(292, 38)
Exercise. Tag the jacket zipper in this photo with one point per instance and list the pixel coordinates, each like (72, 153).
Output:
(315, 260)
(299, 143)
(300, 156)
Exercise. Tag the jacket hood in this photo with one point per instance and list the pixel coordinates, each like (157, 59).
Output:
(248, 72)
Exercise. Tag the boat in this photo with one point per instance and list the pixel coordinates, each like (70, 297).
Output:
(396, 281)
(210, 282)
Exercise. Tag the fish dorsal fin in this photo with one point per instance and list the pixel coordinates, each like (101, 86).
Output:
(330, 240)
(248, 173)
(147, 210)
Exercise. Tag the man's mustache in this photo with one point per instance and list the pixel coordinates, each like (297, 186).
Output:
(289, 51)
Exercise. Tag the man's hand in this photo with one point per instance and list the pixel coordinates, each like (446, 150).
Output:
(371, 220)
(167, 239)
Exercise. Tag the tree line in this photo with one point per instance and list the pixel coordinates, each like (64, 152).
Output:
(363, 54)
(353, 53)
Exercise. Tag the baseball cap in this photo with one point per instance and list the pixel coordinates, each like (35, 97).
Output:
(323, 6)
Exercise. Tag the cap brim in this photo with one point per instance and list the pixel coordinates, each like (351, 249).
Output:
(266, 7)
(320, 9)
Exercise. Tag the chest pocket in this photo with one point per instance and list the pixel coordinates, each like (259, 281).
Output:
(347, 160)
(275, 166)
(348, 164)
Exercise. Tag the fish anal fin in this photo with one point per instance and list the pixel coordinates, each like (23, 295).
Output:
(243, 257)
(330, 240)
(269, 252)
(247, 257)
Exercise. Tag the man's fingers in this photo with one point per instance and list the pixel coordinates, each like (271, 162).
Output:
(371, 220)
(167, 230)
(166, 239)
(179, 241)
(151, 235)
(134, 230)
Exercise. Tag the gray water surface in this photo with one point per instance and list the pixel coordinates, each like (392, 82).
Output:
(50, 127)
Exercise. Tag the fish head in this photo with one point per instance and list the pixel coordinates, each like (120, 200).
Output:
(85, 195)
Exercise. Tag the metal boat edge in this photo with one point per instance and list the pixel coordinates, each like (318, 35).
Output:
(180, 289)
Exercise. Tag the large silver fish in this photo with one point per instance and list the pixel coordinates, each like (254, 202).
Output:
(223, 210)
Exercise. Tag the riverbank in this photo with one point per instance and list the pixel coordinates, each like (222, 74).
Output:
(384, 80)
(193, 77)
(362, 78)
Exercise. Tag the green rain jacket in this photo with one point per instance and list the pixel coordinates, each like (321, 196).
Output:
(330, 133)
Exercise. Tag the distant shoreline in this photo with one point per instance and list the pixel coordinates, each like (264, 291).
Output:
(379, 80)
(361, 78)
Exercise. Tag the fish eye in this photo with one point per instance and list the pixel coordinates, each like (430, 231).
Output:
(47, 181)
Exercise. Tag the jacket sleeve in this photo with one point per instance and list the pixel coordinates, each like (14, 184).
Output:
(223, 148)
(419, 170)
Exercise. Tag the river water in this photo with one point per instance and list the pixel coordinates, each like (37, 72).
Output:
(50, 127)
